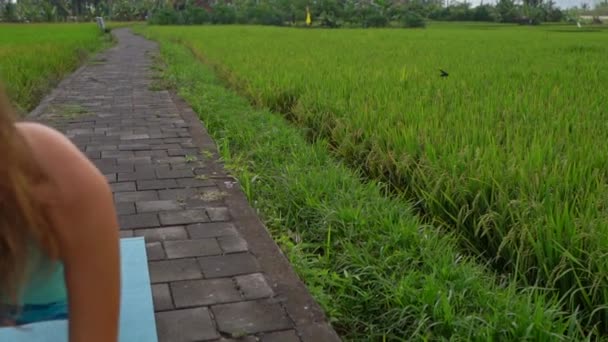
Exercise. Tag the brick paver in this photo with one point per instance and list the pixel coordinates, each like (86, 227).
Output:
(216, 274)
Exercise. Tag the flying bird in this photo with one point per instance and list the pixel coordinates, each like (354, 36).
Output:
(444, 73)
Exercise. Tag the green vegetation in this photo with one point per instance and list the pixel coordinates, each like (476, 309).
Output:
(354, 13)
(35, 57)
(506, 153)
(379, 273)
(35, 11)
(325, 13)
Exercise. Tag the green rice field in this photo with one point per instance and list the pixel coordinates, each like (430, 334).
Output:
(507, 154)
(35, 57)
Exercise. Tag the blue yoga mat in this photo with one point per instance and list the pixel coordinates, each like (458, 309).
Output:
(136, 308)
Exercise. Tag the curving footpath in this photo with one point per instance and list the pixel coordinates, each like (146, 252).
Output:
(216, 274)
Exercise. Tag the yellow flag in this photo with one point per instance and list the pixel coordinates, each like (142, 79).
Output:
(308, 20)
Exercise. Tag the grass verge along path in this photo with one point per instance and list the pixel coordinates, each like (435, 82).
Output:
(508, 152)
(378, 273)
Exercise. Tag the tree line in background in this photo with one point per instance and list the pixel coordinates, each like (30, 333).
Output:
(325, 13)
(74, 10)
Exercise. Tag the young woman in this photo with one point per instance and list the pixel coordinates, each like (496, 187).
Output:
(59, 243)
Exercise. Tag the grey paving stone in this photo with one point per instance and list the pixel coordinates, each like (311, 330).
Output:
(194, 182)
(146, 220)
(156, 184)
(183, 217)
(159, 205)
(183, 165)
(208, 195)
(164, 135)
(204, 171)
(134, 136)
(167, 160)
(125, 208)
(123, 186)
(174, 129)
(103, 163)
(161, 297)
(117, 154)
(204, 292)
(80, 141)
(177, 194)
(136, 176)
(124, 233)
(228, 265)
(133, 147)
(150, 142)
(155, 251)
(251, 317)
(212, 229)
(238, 338)
(218, 214)
(164, 146)
(133, 196)
(150, 168)
(162, 174)
(120, 132)
(254, 286)
(191, 248)
(195, 204)
(181, 151)
(105, 140)
(173, 270)
(162, 234)
(232, 244)
(281, 336)
(134, 161)
(318, 332)
(78, 131)
(93, 154)
(95, 147)
(151, 153)
(115, 169)
(185, 325)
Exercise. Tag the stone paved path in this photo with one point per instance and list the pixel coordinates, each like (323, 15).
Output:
(216, 274)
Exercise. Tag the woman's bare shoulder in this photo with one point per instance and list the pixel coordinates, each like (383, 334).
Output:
(39, 135)
(78, 193)
(69, 170)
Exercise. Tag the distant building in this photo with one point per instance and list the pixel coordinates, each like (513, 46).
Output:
(602, 18)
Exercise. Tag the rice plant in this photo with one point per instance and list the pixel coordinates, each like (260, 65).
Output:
(507, 152)
(34, 57)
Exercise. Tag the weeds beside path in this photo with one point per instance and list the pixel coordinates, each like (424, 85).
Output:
(378, 273)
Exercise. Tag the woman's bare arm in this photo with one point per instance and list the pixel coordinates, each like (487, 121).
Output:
(85, 218)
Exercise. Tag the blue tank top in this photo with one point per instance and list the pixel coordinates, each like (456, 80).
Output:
(44, 296)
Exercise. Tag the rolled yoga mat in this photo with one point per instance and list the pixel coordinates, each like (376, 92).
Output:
(136, 309)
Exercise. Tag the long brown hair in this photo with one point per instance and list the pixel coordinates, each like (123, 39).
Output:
(24, 219)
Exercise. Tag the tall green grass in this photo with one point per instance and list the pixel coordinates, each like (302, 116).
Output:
(34, 57)
(379, 273)
(508, 152)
